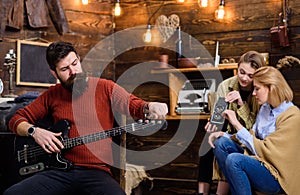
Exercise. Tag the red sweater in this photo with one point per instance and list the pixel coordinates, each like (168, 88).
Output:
(90, 113)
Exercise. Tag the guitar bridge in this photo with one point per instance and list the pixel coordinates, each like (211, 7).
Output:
(32, 169)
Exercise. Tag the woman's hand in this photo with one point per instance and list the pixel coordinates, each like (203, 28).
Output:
(213, 136)
(230, 115)
(234, 96)
(210, 127)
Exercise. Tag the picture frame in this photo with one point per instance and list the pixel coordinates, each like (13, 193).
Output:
(32, 68)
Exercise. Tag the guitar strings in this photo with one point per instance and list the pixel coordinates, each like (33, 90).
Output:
(35, 151)
(105, 134)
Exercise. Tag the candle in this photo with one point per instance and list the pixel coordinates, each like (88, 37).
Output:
(217, 48)
(217, 57)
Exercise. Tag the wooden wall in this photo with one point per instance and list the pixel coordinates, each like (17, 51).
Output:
(245, 27)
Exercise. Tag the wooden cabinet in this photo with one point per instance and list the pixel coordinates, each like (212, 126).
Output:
(177, 77)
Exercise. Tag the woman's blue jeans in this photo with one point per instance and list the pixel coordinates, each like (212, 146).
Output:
(243, 173)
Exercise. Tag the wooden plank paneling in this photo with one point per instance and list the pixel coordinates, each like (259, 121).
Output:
(89, 23)
(94, 6)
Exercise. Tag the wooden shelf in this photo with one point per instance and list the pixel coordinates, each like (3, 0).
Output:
(187, 117)
(176, 80)
(232, 66)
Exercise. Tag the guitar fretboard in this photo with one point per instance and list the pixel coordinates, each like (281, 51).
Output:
(72, 142)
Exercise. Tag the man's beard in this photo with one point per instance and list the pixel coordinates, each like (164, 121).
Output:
(76, 84)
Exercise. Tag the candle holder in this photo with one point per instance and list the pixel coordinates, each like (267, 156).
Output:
(10, 63)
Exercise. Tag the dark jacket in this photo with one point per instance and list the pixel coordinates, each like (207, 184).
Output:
(37, 11)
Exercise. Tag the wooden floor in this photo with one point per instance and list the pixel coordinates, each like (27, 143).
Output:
(160, 187)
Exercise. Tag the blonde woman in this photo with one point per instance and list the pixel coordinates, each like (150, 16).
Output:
(269, 162)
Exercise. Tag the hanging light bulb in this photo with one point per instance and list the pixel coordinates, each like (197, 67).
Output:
(220, 12)
(147, 35)
(85, 2)
(180, 1)
(117, 8)
(203, 3)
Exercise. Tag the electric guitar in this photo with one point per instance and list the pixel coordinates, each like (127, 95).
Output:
(32, 158)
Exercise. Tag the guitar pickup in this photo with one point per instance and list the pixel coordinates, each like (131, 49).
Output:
(32, 169)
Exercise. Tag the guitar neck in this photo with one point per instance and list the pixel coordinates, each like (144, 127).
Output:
(72, 142)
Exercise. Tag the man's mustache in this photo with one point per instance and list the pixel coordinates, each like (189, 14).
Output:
(72, 77)
(79, 76)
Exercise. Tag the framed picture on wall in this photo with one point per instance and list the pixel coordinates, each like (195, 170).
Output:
(32, 67)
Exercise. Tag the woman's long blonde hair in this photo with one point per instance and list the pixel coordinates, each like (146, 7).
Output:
(279, 89)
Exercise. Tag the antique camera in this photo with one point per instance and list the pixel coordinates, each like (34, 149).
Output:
(217, 118)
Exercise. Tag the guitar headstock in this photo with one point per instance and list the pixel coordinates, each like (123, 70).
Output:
(159, 123)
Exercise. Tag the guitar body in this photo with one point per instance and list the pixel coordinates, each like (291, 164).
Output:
(32, 158)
